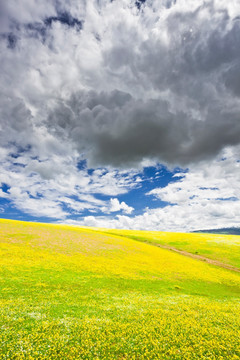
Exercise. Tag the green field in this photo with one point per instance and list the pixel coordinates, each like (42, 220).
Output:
(78, 293)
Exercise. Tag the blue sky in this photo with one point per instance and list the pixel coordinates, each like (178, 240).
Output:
(120, 113)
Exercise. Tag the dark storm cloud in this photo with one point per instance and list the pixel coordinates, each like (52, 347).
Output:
(16, 122)
(117, 129)
(231, 78)
(161, 83)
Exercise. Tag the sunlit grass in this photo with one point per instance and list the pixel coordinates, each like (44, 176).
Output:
(70, 293)
(225, 248)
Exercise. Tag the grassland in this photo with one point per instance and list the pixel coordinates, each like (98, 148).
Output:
(72, 293)
(224, 248)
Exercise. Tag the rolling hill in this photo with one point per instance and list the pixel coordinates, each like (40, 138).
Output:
(85, 293)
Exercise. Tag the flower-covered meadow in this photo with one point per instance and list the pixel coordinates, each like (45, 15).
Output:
(71, 293)
(225, 248)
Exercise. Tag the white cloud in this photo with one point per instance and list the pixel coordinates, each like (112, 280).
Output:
(206, 197)
(45, 188)
(115, 206)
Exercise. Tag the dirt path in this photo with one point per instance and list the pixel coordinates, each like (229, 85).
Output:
(197, 257)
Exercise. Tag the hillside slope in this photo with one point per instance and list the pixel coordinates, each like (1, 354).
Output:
(72, 293)
(222, 248)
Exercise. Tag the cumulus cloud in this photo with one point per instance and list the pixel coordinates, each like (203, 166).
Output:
(177, 73)
(206, 197)
(115, 206)
(55, 188)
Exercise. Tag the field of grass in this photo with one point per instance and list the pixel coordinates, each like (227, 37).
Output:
(225, 248)
(78, 293)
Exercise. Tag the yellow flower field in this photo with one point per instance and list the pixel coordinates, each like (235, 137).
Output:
(74, 293)
(225, 248)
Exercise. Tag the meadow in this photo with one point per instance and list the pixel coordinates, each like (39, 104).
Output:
(82, 293)
(223, 248)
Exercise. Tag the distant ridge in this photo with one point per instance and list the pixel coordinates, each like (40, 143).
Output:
(226, 231)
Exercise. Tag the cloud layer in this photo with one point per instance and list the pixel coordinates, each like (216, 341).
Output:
(206, 197)
(119, 84)
(122, 83)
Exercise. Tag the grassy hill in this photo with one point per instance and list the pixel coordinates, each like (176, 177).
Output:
(219, 247)
(78, 293)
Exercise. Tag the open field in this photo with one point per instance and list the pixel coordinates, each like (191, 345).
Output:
(72, 293)
(222, 248)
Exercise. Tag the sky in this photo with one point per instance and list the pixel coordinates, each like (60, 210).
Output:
(120, 113)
